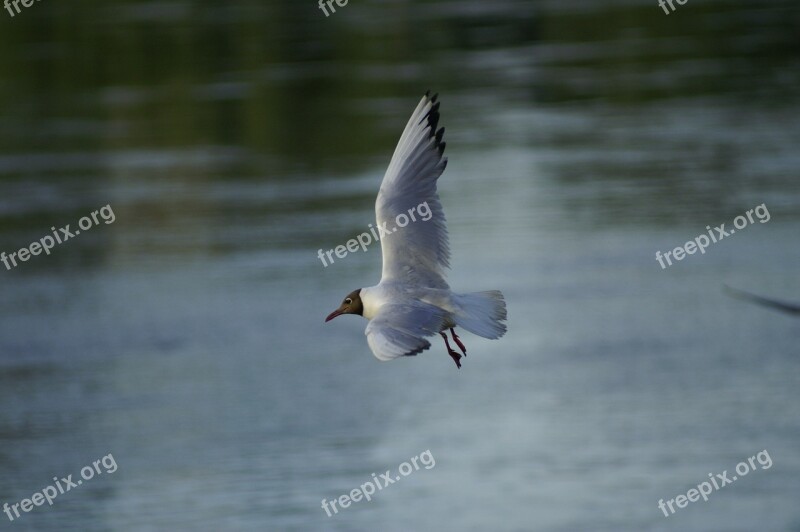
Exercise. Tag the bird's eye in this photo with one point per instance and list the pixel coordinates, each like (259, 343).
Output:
(347, 301)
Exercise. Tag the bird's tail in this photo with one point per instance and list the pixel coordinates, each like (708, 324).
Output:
(482, 313)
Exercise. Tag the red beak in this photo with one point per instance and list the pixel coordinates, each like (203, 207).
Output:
(337, 312)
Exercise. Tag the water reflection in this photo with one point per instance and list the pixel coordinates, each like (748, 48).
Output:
(234, 140)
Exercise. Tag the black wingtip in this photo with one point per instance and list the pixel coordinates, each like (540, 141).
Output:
(425, 346)
(432, 118)
(440, 144)
(782, 306)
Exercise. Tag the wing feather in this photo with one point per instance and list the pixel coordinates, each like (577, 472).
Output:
(418, 253)
(400, 329)
(783, 306)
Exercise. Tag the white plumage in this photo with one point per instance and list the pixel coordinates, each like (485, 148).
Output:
(413, 300)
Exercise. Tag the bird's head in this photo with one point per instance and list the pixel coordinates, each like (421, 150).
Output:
(351, 305)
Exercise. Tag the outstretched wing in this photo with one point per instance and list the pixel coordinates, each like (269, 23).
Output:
(419, 252)
(400, 329)
(783, 306)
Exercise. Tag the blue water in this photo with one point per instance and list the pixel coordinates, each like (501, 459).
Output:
(187, 338)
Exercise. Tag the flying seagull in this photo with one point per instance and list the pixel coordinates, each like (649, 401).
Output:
(783, 306)
(413, 300)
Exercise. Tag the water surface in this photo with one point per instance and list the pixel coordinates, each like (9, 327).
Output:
(233, 141)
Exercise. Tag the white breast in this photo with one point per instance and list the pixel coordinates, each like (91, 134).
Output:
(373, 298)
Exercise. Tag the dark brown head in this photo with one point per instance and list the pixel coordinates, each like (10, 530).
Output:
(351, 305)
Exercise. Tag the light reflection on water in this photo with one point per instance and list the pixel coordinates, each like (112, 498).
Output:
(187, 337)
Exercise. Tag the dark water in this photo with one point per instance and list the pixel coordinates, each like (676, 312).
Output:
(234, 140)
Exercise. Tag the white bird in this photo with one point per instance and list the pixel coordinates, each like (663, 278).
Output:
(413, 300)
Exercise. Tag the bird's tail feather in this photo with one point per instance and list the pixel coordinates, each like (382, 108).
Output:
(482, 313)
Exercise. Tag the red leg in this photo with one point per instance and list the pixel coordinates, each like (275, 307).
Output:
(450, 351)
(457, 340)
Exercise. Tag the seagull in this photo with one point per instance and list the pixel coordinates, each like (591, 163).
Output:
(413, 301)
(783, 306)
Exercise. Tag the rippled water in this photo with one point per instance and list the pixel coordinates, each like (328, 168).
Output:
(235, 140)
